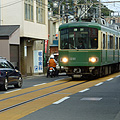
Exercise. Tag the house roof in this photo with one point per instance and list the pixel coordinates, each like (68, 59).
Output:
(7, 30)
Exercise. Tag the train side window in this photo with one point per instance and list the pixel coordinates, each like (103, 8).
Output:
(108, 42)
(93, 38)
(111, 42)
(119, 42)
(104, 41)
(116, 42)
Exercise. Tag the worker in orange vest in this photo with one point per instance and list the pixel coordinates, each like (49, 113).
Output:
(52, 63)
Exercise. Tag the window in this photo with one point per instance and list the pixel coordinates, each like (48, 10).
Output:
(119, 42)
(104, 42)
(40, 11)
(79, 38)
(29, 10)
(11, 66)
(116, 42)
(4, 65)
(64, 44)
(111, 42)
(108, 42)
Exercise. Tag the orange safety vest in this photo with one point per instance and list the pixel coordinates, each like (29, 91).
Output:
(52, 63)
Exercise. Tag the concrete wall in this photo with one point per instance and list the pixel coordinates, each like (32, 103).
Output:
(5, 49)
(15, 37)
(14, 15)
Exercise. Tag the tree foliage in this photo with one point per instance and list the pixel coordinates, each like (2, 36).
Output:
(71, 9)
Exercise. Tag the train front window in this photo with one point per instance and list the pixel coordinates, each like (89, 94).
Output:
(79, 38)
(64, 40)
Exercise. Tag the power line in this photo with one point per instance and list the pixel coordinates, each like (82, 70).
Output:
(10, 4)
(15, 2)
(97, 2)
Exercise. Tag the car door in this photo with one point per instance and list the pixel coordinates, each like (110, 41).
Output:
(11, 72)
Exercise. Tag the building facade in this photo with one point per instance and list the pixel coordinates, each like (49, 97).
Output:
(113, 19)
(10, 42)
(32, 16)
(53, 31)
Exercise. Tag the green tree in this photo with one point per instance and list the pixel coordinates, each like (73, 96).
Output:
(104, 10)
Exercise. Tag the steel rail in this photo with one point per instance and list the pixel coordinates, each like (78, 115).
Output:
(32, 91)
(36, 98)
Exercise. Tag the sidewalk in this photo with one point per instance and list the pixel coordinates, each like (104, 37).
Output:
(33, 76)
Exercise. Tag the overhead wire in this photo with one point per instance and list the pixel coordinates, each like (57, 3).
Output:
(15, 2)
(110, 4)
(10, 4)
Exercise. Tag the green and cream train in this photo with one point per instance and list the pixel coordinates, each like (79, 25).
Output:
(100, 54)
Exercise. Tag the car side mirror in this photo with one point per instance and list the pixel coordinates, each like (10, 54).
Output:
(16, 68)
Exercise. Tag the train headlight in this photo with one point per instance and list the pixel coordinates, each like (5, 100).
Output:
(93, 59)
(65, 59)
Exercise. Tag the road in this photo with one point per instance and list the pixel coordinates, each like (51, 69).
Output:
(60, 98)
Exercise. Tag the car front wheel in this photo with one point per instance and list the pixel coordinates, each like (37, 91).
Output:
(5, 85)
(19, 83)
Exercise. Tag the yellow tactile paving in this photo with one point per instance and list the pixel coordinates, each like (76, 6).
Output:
(22, 91)
(20, 99)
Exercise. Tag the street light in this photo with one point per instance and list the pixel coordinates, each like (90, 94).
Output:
(55, 4)
(50, 14)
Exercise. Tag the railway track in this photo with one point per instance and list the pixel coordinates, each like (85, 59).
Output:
(18, 104)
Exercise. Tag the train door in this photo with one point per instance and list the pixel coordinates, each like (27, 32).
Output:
(116, 49)
(104, 51)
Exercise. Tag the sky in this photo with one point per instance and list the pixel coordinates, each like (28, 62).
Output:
(112, 6)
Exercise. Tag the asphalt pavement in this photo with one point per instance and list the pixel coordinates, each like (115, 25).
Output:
(100, 102)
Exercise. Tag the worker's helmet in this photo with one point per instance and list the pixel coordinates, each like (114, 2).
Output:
(52, 56)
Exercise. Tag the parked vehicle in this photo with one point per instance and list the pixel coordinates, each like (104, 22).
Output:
(9, 75)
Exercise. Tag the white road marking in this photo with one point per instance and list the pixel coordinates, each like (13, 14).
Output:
(85, 90)
(110, 79)
(39, 84)
(61, 100)
(92, 98)
(12, 91)
(99, 84)
(59, 79)
(118, 76)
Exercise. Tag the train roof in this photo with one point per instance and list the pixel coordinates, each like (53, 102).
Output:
(89, 24)
(80, 24)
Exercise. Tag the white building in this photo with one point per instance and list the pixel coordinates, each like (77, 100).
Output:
(32, 16)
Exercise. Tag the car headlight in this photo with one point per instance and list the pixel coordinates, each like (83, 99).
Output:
(93, 59)
(65, 59)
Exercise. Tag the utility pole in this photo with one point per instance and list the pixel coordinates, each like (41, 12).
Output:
(67, 11)
(99, 8)
(59, 12)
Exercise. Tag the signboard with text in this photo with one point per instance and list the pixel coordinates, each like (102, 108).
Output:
(38, 61)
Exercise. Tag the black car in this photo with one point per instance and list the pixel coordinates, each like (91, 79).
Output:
(9, 75)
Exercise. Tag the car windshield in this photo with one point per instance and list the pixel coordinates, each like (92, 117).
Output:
(6, 64)
(80, 38)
